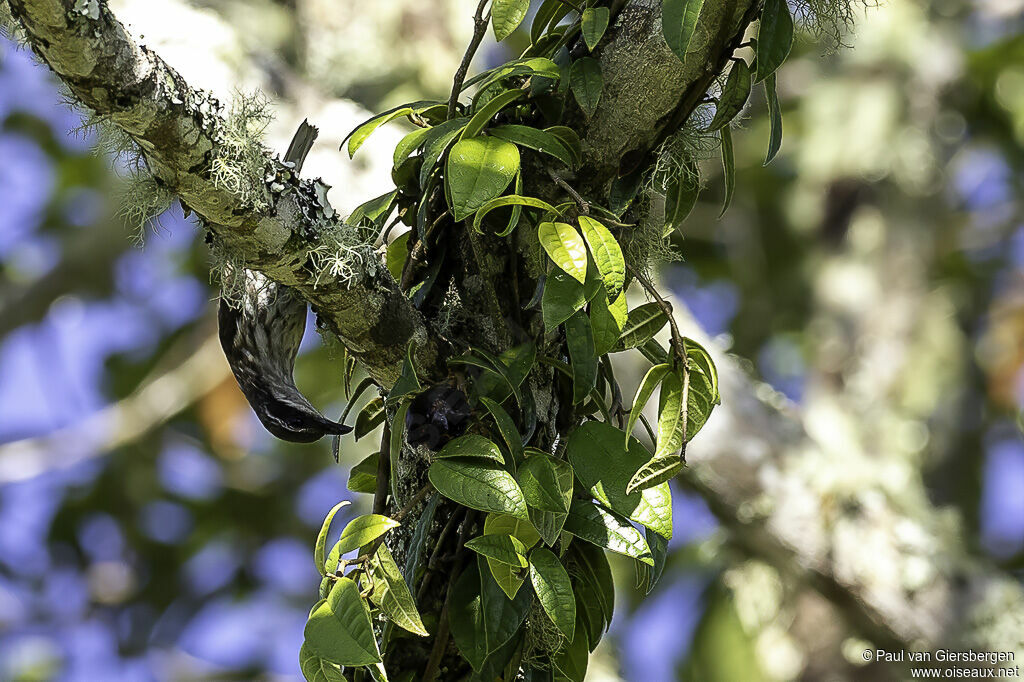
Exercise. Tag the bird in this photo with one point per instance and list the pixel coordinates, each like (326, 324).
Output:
(260, 331)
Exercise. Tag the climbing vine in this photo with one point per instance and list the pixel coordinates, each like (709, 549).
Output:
(531, 514)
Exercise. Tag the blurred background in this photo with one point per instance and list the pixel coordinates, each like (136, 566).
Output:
(871, 279)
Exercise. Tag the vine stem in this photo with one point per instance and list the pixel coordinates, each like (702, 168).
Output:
(402, 513)
(582, 203)
(380, 494)
(479, 29)
(677, 338)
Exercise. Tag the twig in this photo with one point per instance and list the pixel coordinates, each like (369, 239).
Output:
(479, 29)
(583, 204)
(438, 544)
(677, 338)
(441, 640)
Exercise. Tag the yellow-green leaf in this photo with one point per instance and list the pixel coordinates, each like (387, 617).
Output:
(607, 255)
(363, 530)
(321, 538)
(501, 547)
(566, 248)
(506, 15)
(554, 590)
(643, 394)
(392, 595)
(478, 170)
(593, 25)
(478, 484)
(338, 629)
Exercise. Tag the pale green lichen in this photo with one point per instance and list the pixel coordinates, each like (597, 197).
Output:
(142, 198)
(241, 161)
(342, 254)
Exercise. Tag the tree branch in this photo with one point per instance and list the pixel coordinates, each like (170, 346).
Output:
(277, 224)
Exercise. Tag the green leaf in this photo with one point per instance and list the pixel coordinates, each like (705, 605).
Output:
(607, 255)
(395, 447)
(571, 141)
(734, 95)
(338, 629)
(518, 362)
(501, 547)
(699, 357)
(729, 166)
(605, 528)
(642, 324)
(478, 484)
(533, 66)
(369, 418)
(655, 472)
(678, 20)
(546, 483)
(543, 18)
(594, 24)
(509, 433)
(488, 111)
(373, 209)
(316, 669)
(670, 415)
(435, 144)
(595, 570)
(563, 296)
(703, 394)
(586, 83)
(774, 119)
(479, 169)
(605, 467)
(506, 15)
(643, 394)
(506, 577)
(554, 591)
(510, 200)
(398, 252)
(465, 617)
(659, 549)
(472, 445)
(358, 136)
(580, 339)
(321, 538)
(535, 139)
(774, 38)
(566, 248)
(570, 664)
(494, 367)
(408, 144)
(681, 198)
(391, 593)
(363, 476)
(419, 538)
(607, 321)
(502, 616)
(407, 381)
(363, 530)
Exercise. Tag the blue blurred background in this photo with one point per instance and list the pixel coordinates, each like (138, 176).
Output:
(150, 529)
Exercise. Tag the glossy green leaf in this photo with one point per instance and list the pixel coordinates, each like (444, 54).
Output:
(517, 363)
(607, 255)
(607, 321)
(729, 168)
(407, 381)
(472, 445)
(316, 669)
(680, 198)
(542, 19)
(655, 472)
(702, 396)
(593, 568)
(488, 111)
(580, 340)
(659, 549)
(398, 253)
(670, 414)
(678, 20)
(605, 467)
(532, 66)
(511, 200)
(605, 528)
(566, 248)
(479, 169)
(369, 418)
(546, 483)
(362, 478)
(594, 24)
(392, 595)
(643, 394)
(509, 433)
(494, 367)
(571, 141)
(506, 15)
(563, 296)
(734, 95)
(506, 576)
(360, 134)
(774, 119)
(436, 142)
(501, 547)
(535, 139)
(418, 542)
(774, 38)
(553, 589)
(363, 530)
(372, 211)
(321, 538)
(586, 82)
(502, 616)
(466, 618)
(408, 144)
(642, 324)
(395, 447)
(701, 360)
(338, 629)
(478, 484)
